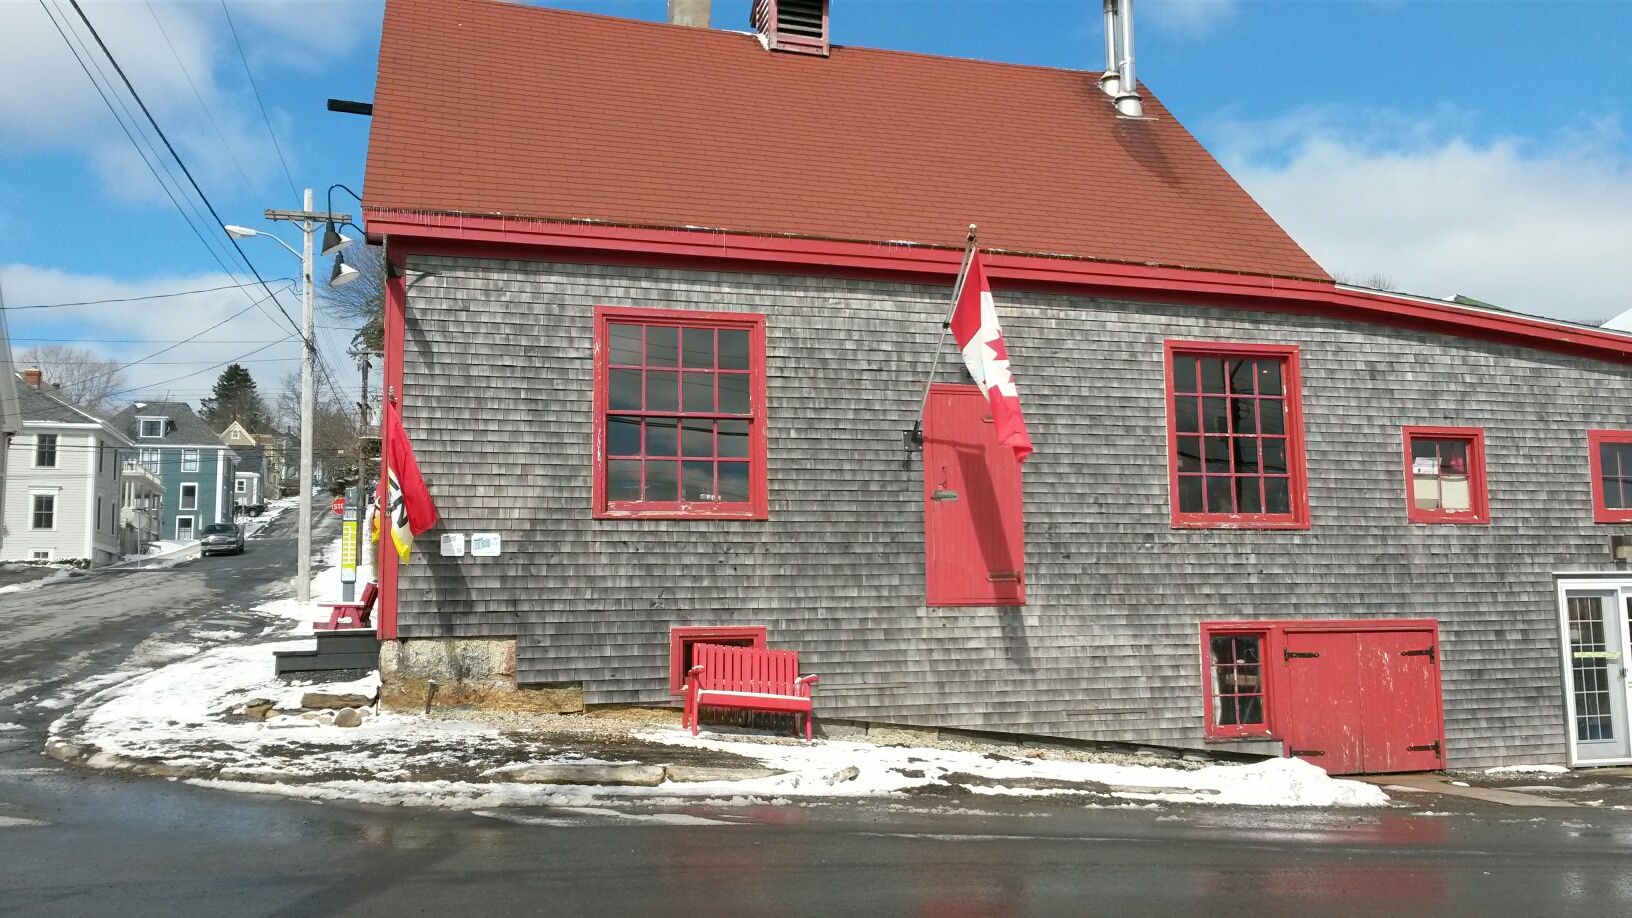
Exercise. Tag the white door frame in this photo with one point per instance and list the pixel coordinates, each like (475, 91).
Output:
(1621, 585)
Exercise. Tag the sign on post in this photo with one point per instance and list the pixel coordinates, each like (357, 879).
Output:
(347, 508)
(339, 505)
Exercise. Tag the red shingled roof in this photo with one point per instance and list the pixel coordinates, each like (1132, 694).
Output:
(492, 108)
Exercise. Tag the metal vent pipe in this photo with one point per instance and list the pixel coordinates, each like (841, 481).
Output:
(1127, 97)
(1110, 80)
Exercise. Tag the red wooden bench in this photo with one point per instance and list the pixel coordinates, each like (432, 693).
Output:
(350, 614)
(749, 679)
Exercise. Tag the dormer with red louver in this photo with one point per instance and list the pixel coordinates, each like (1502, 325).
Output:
(792, 25)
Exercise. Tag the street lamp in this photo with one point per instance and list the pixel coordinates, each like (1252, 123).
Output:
(308, 396)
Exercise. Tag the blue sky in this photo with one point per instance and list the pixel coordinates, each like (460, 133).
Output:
(1454, 147)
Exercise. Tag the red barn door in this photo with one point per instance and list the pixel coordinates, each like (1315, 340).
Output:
(1322, 679)
(1365, 700)
(974, 539)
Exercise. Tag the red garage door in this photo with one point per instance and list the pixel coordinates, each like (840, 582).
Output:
(1363, 701)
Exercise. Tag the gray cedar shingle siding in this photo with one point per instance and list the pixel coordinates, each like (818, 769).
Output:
(497, 399)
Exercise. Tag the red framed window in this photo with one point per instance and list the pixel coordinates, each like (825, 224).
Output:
(1237, 685)
(1445, 475)
(681, 641)
(1611, 457)
(679, 414)
(1235, 436)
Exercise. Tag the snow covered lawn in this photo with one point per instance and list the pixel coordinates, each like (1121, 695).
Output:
(190, 718)
(186, 715)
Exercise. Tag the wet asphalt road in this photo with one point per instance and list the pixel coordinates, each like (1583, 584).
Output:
(75, 842)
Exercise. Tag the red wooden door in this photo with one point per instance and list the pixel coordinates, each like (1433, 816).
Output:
(1323, 722)
(974, 538)
(1399, 691)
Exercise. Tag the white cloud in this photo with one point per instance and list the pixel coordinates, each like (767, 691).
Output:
(134, 330)
(1188, 16)
(48, 103)
(1542, 227)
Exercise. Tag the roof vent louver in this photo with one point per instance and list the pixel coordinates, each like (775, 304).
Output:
(792, 25)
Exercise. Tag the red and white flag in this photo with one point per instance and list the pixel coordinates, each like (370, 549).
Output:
(974, 324)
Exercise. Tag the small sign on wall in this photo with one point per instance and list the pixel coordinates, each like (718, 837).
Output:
(484, 545)
(453, 545)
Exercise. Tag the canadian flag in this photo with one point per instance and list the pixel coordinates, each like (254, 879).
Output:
(974, 324)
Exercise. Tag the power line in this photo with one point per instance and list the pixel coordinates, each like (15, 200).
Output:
(135, 299)
(179, 161)
(75, 51)
(205, 370)
(255, 89)
(172, 347)
(248, 185)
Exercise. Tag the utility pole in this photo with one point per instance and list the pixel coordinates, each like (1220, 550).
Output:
(308, 221)
(364, 499)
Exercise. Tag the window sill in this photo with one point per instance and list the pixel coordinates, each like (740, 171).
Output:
(1243, 738)
(681, 512)
(1237, 522)
(1460, 519)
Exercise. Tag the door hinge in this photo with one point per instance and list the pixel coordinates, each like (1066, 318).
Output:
(1431, 747)
(1003, 577)
(1292, 654)
(1305, 753)
(1425, 652)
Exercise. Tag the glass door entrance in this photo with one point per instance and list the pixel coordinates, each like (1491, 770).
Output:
(1595, 632)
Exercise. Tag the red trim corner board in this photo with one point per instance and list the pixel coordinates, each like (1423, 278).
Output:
(396, 302)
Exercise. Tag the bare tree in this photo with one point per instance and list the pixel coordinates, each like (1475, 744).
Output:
(334, 432)
(1374, 281)
(361, 303)
(82, 375)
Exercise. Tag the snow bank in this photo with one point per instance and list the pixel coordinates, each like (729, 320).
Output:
(57, 576)
(822, 770)
(178, 714)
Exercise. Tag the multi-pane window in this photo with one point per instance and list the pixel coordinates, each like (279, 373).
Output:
(189, 460)
(1590, 659)
(1235, 436)
(680, 399)
(149, 459)
(45, 451)
(45, 512)
(1611, 457)
(189, 497)
(1237, 673)
(1445, 473)
(152, 427)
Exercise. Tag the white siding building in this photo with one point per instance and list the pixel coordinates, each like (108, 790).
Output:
(62, 482)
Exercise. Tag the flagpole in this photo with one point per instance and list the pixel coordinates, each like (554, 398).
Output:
(946, 326)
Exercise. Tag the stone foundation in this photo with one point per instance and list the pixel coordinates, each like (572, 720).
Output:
(469, 673)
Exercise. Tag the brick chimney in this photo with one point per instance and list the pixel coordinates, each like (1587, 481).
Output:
(33, 377)
(690, 13)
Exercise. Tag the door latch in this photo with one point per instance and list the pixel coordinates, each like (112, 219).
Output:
(944, 495)
(1305, 753)
(1425, 652)
(1431, 747)
(1292, 654)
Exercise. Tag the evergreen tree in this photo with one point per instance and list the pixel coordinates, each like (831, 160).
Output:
(236, 399)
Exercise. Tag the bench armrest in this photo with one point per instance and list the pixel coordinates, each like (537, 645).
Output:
(808, 681)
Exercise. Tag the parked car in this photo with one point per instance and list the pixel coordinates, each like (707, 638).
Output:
(222, 539)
